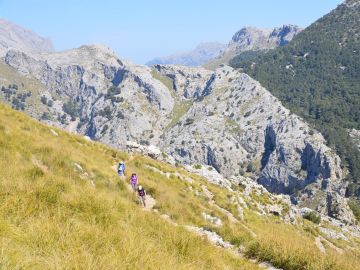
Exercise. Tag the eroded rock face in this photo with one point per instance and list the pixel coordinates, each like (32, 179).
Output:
(83, 76)
(251, 38)
(222, 118)
(238, 127)
(255, 39)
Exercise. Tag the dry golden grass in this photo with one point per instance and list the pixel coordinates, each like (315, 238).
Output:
(52, 217)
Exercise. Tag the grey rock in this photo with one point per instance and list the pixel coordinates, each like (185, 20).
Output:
(274, 209)
(239, 123)
(355, 136)
(255, 39)
(333, 234)
(84, 76)
(212, 237)
(338, 208)
(214, 220)
(13, 36)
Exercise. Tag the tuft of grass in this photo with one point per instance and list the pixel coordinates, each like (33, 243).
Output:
(164, 80)
(179, 110)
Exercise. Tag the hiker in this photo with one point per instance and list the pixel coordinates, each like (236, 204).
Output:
(133, 181)
(121, 169)
(142, 194)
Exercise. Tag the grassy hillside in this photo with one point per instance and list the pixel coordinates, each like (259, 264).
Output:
(62, 206)
(317, 76)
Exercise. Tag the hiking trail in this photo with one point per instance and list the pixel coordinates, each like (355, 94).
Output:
(212, 237)
(149, 200)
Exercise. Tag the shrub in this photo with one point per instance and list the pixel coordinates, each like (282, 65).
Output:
(45, 116)
(111, 94)
(355, 207)
(251, 167)
(43, 100)
(71, 108)
(50, 103)
(105, 128)
(106, 112)
(144, 142)
(120, 115)
(189, 121)
(247, 114)
(313, 217)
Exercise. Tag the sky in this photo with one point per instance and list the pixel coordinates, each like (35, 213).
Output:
(139, 30)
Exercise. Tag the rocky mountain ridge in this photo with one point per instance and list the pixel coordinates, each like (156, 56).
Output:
(254, 40)
(221, 118)
(13, 36)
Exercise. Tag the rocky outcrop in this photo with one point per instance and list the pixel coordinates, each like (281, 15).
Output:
(355, 136)
(200, 55)
(238, 127)
(255, 39)
(98, 94)
(251, 38)
(13, 36)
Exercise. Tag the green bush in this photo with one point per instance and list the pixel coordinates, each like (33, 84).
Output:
(355, 207)
(71, 108)
(197, 166)
(313, 217)
(189, 121)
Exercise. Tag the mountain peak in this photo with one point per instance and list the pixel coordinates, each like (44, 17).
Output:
(285, 33)
(13, 36)
(248, 31)
(263, 38)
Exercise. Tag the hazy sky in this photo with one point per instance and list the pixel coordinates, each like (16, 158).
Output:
(142, 29)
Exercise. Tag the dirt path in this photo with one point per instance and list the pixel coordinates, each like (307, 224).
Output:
(149, 200)
(229, 215)
(212, 237)
(150, 203)
(320, 245)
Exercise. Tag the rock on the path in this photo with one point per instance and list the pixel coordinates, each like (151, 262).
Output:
(214, 220)
(211, 236)
(333, 234)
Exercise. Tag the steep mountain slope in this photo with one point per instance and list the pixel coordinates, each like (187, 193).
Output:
(200, 55)
(317, 76)
(238, 127)
(250, 41)
(101, 96)
(220, 118)
(13, 36)
(63, 206)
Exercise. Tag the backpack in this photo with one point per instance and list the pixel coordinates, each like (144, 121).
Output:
(121, 167)
(141, 192)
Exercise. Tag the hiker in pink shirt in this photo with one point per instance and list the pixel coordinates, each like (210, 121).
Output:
(133, 181)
